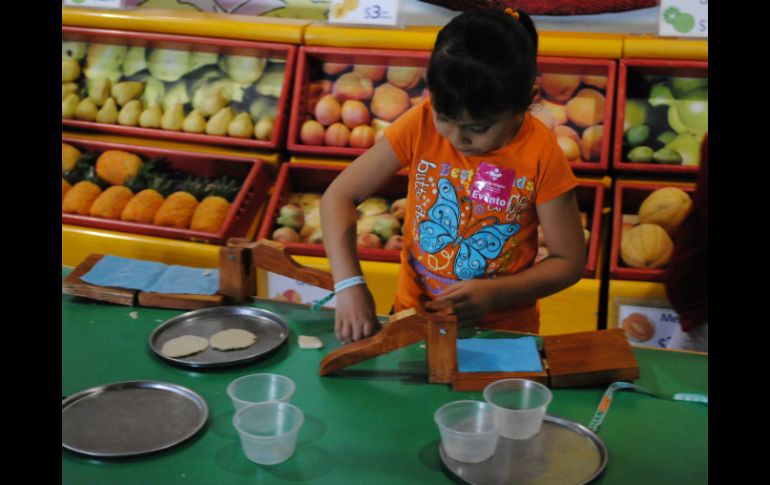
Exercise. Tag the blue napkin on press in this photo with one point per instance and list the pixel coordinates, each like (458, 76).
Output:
(154, 277)
(498, 355)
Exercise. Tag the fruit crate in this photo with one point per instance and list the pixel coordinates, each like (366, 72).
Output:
(651, 95)
(319, 70)
(629, 196)
(302, 178)
(245, 207)
(575, 100)
(149, 75)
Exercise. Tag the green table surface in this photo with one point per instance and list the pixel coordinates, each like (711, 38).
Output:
(372, 425)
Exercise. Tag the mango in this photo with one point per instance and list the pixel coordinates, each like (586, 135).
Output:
(352, 85)
(389, 102)
(559, 87)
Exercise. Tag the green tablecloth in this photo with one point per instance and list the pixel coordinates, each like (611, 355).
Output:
(374, 425)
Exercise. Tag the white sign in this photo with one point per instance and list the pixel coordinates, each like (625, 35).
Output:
(96, 3)
(368, 12)
(648, 326)
(684, 18)
(287, 289)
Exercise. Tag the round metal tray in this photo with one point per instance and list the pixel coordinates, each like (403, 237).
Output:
(563, 453)
(270, 329)
(130, 418)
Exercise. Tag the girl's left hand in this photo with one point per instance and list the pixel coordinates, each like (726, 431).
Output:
(471, 300)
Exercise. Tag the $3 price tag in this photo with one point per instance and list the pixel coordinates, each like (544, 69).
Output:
(364, 12)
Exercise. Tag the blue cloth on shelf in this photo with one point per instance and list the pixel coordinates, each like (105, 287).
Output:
(153, 277)
(498, 355)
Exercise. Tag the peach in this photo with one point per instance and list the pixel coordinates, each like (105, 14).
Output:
(337, 135)
(591, 144)
(570, 148)
(558, 112)
(315, 91)
(369, 240)
(404, 77)
(285, 235)
(312, 133)
(559, 87)
(389, 102)
(599, 82)
(372, 73)
(334, 68)
(586, 108)
(362, 136)
(395, 243)
(328, 110)
(355, 113)
(566, 131)
(352, 85)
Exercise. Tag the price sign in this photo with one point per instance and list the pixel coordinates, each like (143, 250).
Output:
(366, 12)
(116, 4)
(684, 18)
(648, 326)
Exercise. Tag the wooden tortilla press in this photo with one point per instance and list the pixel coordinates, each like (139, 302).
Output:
(577, 359)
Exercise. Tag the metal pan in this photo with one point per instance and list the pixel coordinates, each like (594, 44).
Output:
(130, 418)
(563, 453)
(270, 329)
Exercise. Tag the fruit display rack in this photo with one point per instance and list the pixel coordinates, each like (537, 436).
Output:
(174, 87)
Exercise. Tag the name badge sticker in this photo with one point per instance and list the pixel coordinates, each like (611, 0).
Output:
(492, 184)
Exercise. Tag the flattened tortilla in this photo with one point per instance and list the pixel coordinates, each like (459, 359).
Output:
(184, 346)
(232, 339)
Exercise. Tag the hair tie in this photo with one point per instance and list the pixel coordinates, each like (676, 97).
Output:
(513, 13)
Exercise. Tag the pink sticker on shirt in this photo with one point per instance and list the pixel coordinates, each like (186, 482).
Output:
(492, 185)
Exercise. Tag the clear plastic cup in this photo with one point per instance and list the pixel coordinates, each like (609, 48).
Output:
(268, 431)
(469, 430)
(520, 405)
(257, 388)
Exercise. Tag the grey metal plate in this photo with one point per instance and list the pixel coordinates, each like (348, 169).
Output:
(130, 418)
(270, 329)
(563, 453)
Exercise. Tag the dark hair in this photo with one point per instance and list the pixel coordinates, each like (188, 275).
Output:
(483, 63)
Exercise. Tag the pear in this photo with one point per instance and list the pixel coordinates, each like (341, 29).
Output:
(67, 89)
(194, 123)
(108, 112)
(218, 124)
(99, 90)
(263, 130)
(70, 70)
(86, 110)
(173, 118)
(151, 117)
(129, 114)
(126, 91)
(212, 104)
(241, 126)
(69, 105)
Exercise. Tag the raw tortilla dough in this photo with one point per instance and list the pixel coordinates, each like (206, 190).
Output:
(184, 346)
(232, 339)
(309, 342)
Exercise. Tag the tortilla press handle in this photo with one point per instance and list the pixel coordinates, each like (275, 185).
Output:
(403, 328)
(273, 256)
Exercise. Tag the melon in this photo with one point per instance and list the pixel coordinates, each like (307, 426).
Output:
(646, 246)
(666, 207)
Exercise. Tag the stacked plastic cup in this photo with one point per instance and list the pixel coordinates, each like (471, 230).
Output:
(520, 406)
(256, 388)
(469, 430)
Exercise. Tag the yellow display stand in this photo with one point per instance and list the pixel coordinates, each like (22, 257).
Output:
(242, 27)
(652, 47)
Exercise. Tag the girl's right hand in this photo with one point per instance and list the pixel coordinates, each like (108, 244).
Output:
(355, 318)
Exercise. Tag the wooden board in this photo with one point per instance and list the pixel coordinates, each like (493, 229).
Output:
(587, 358)
(476, 381)
(73, 285)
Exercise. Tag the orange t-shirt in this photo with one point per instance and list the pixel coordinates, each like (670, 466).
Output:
(473, 216)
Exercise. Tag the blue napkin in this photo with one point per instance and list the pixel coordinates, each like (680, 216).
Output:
(498, 355)
(152, 277)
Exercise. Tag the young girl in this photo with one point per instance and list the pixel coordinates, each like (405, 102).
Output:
(483, 173)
